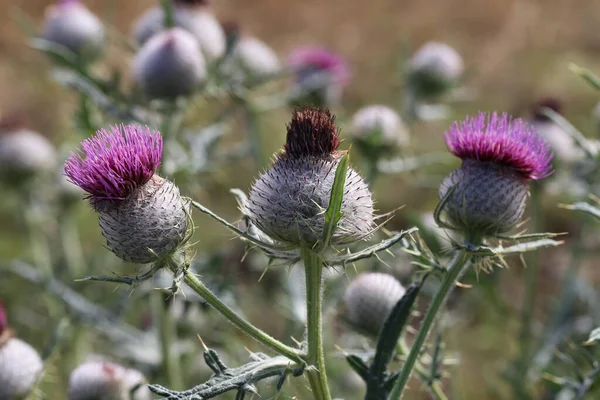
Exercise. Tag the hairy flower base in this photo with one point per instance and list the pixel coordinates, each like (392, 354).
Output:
(369, 299)
(20, 366)
(107, 381)
(488, 198)
(288, 202)
(150, 223)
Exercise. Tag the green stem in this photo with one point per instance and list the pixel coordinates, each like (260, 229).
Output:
(453, 272)
(168, 337)
(317, 374)
(38, 241)
(197, 286)
(432, 383)
(531, 274)
(71, 244)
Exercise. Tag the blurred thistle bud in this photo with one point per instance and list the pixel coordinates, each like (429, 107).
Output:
(378, 129)
(169, 65)
(141, 215)
(320, 76)
(20, 364)
(433, 69)
(71, 24)
(562, 144)
(500, 156)
(250, 57)
(107, 381)
(288, 201)
(369, 299)
(194, 16)
(23, 152)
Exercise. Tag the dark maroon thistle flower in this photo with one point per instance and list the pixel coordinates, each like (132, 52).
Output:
(288, 201)
(142, 216)
(500, 156)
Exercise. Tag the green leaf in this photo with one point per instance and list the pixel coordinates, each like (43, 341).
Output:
(386, 343)
(334, 210)
(167, 7)
(359, 366)
(594, 336)
(585, 207)
(586, 75)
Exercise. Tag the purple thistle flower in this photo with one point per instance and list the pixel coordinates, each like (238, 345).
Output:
(115, 162)
(502, 140)
(321, 59)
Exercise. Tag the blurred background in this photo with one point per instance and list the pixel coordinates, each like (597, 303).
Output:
(514, 52)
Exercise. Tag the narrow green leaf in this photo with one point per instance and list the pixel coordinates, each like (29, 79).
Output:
(359, 366)
(334, 210)
(586, 75)
(167, 7)
(585, 207)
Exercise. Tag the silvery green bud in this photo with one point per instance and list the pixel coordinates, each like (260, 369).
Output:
(369, 299)
(379, 128)
(288, 201)
(433, 69)
(107, 381)
(70, 24)
(169, 65)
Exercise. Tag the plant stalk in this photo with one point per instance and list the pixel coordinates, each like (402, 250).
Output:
(317, 374)
(197, 286)
(168, 337)
(453, 272)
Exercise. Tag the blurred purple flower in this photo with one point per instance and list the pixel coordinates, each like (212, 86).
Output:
(319, 59)
(502, 140)
(115, 163)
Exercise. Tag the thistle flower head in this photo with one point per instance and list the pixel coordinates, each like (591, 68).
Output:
(20, 367)
(501, 140)
(105, 380)
(378, 128)
(320, 59)
(369, 299)
(288, 201)
(112, 164)
(433, 69)
(312, 132)
(141, 215)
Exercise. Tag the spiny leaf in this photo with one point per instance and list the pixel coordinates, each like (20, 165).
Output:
(334, 210)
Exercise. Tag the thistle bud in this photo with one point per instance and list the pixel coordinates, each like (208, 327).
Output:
(433, 69)
(107, 381)
(321, 76)
(141, 215)
(194, 16)
(71, 24)
(378, 129)
(369, 299)
(169, 65)
(562, 144)
(500, 156)
(23, 153)
(288, 201)
(20, 364)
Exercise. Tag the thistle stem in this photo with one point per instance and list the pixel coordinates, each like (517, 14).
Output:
(453, 271)
(71, 244)
(432, 383)
(317, 374)
(197, 286)
(168, 337)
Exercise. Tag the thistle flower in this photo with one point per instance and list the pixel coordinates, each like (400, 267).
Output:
(23, 153)
(141, 215)
(194, 16)
(433, 69)
(20, 364)
(288, 201)
(500, 156)
(108, 381)
(169, 65)
(321, 76)
(379, 128)
(71, 24)
(369, 299)
(562, 144)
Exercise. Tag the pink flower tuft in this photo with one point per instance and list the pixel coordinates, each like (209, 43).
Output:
(321, 59)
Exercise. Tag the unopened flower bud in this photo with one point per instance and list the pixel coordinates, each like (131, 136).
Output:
(20, 364)
(194, 16)
(321, 76)
(288, 201)
(379, 129)
(141, 215)
(23, 153)
(500, 156)
(369, 299)
(433, 69)
(71, 24)
(169, 65)
(107, 381)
